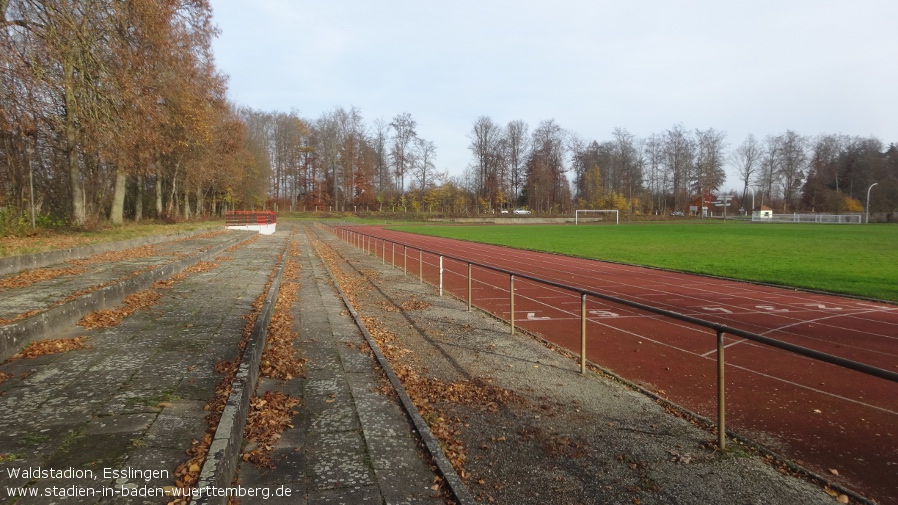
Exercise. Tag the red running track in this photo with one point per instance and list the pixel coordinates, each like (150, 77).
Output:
(821, 416)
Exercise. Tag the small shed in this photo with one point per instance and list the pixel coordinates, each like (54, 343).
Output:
(763, 213)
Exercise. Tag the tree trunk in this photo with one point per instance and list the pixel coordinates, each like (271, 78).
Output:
(79, 212)
(186, 203)
(173, 197)
(138, 199)
(158, 195)
(117, 212)
(200, 204)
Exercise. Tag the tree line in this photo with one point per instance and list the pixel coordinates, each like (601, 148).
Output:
(112, 110)
(339, 162)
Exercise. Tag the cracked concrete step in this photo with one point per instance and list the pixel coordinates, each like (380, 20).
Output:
(135, 397)
(35, 311)
(352, 443)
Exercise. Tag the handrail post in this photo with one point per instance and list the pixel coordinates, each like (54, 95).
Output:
(420, 266)
(721, 389)
(404, 260)
(511, 298)
(393, 257)
(383, 252)
(469, 286)
(441, 275)
(583, 333)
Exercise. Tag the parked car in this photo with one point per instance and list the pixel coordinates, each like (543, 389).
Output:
(521, 211)
(504, 211)
(677, 213)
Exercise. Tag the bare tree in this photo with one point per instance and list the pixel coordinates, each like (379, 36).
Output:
(517, 147)
(424, 156)
(627, 162)
(792, 164)
(654, 160)
(747, 160)
(547, 185)
(708, 173)
(383, 179)
(678, 156)
(403, 136)
(486, 146)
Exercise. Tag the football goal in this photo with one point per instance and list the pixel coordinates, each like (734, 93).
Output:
(585, 212)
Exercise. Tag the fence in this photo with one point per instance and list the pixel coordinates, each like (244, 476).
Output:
(809, 218)
(440, 267)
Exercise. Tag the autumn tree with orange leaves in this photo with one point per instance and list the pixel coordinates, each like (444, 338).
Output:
(107, 106)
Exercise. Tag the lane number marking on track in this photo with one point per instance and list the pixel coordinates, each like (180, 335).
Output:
(821, 306)
(533, 317)
(718, 309)
(603, 313)
(770, 308)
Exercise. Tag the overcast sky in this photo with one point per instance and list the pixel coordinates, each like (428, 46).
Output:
(759, 66)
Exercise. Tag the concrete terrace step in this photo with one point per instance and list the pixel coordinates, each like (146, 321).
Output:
(34, 311)
(352, 443)
(111, 422)
(134, 398)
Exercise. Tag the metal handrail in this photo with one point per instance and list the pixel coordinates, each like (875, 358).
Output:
(719, 328)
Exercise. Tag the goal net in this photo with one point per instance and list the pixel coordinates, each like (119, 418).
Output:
(583, 216)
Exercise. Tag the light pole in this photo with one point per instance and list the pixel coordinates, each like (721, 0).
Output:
(868, 201)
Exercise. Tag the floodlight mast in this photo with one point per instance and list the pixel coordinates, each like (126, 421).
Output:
(868, 202)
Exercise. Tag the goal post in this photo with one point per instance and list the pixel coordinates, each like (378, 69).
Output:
(597, 211)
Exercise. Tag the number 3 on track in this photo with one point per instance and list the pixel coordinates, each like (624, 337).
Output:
(603, 313)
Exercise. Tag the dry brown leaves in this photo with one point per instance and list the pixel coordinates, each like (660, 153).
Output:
(124, 254)
(53, 346)
(75, 295)
(426, 393)
(840, 497)
(201, 266)
(279, 359)
(29, 277)
(19, 317)
(113, 317)
(242, 244)
(210, 234)
(269, 416)
(96, 287)
(4, 377)
(415, 304)
(187, 473)
(170, 282)
(12, 246)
